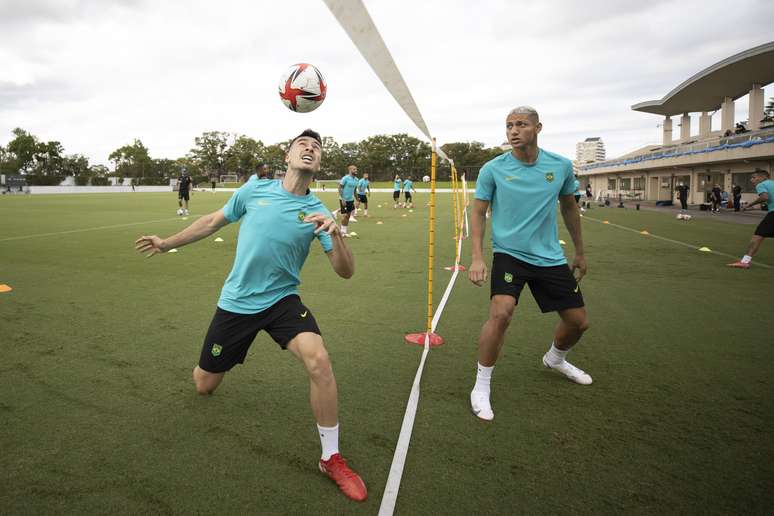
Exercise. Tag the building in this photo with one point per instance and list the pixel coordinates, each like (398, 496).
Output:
(724, 156)
(590, 150)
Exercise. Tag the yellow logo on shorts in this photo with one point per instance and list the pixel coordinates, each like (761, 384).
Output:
(550, 177)
(508, 277)
(304, 314)
(216, 350)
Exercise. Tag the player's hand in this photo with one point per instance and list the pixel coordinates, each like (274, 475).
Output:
(477, 272)
(579, 267)
(323, 223)
(150, 245)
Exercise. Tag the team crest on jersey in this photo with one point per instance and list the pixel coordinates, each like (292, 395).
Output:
(550, 177)
(216, 350)
(508, 277)
(301, 216)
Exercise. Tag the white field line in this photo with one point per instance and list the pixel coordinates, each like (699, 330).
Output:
(98, 228)
(390, 495)
(677, 242)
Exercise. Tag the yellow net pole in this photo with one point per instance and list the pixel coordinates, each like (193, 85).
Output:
(431, 241)
(454, 202)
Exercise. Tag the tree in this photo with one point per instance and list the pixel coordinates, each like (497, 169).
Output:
(132, 160)
(274, 157)
(210, 152)
(244, 154)
(48, 159)
(75, 165)
(23, 147)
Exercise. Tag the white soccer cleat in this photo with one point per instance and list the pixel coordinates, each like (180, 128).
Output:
(185, 212)
(352, 219)
(479, 404)
(570, 371)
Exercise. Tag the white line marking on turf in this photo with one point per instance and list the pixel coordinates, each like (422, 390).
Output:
(684, 244)
(114, 226)
(390, 495)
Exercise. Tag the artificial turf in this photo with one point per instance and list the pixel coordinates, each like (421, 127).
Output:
(98, 414)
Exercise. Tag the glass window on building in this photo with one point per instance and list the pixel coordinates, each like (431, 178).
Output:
(626, 183)
(611, 184)
(638, 184)
(743, 180)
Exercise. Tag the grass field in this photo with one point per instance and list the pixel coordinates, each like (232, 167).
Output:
(98, 414)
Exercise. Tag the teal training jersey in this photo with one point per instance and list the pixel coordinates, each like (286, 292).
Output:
(348, 183)
(576, 185)
(362, 186)
(272, 246)
(523, 199)
(408, 184)
(396, 185)
(767, 187)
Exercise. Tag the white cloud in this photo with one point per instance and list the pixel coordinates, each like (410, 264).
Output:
(94, 75)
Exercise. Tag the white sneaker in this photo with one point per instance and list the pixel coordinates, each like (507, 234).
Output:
(186, 212)
(352, 219)
(479, 404)
(570, 371)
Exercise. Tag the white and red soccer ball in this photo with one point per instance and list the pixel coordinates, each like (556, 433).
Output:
(302, 88)
(683, 216)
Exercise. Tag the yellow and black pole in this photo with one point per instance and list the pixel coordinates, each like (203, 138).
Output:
(456, 207)
(432, 338)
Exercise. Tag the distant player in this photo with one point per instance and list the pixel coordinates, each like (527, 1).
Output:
(682, 195)
(184, 188)
(280, 219)
(577, 192)
(764, 186)
(408, 188)
(261, 170)
(396, 188)
(363, 191)
(522, 187)
(347, 187)
(589, 196)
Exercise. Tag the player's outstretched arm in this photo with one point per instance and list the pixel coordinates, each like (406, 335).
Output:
(571, 216)
(477, 272)
(340, 256)
(762, 198)
(201, 228)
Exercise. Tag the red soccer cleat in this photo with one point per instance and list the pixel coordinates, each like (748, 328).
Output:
(348, 481)
(739, 265)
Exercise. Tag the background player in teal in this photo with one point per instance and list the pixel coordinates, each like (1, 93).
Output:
(764, 185)
(347, 187)
(363, 191)
(408, 188)
(396, 187)
(523, 186)
(280, 219)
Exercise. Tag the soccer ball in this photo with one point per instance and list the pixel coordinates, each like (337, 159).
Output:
(426, 179)
(302, 88)
(180, 211)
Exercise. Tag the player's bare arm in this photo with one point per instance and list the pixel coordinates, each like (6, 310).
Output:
(341, 257)
(571, 215)
(762, 198)
(478, 272)
(201, 228)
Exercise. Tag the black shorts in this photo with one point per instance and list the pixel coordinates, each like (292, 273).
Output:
(766, 228)
(554, 288)
(577, 198)
(362, 198)
(230, 334)
(183, 194)
(346, 206)
(407, 196)
(396, 194)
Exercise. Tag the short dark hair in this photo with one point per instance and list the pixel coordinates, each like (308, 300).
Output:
(761, 172)
(308, 133)
(260, 165)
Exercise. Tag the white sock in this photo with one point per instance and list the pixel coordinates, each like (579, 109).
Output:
(365, 213)
(483, 378)
(329, 440)
(343, 230)
(556, 356)
(746, 258)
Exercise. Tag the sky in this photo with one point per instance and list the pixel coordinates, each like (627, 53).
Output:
(96, 74)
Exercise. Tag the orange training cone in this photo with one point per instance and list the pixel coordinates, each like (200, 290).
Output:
(419, 339)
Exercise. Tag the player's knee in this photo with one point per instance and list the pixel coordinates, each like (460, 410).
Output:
(319, 365)
(203, 389)
(582, 325)
(502, 315)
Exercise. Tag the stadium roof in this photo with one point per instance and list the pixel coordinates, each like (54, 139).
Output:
(732, 77)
